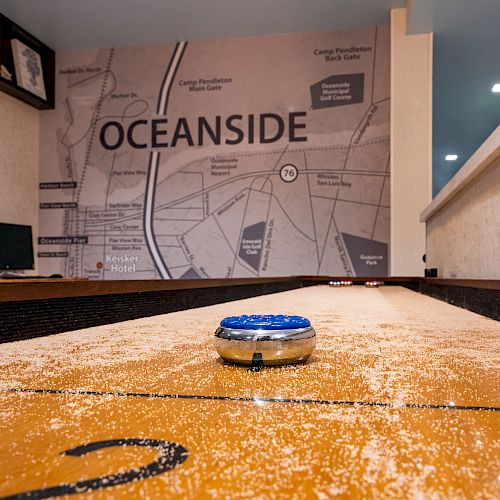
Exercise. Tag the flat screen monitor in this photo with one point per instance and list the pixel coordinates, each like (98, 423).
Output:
(16, 247)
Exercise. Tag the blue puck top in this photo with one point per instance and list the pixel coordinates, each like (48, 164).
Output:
(265, 322)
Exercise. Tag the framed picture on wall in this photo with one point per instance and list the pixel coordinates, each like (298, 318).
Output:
(28, 67)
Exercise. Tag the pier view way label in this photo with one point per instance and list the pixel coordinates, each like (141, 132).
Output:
(264, 156)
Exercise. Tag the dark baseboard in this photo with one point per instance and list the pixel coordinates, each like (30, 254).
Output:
(485, 301)
(22, 320)
(86, 304)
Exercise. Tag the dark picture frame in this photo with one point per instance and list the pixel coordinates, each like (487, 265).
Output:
(11, 81)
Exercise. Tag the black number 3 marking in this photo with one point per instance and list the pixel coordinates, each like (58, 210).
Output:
(170, 455)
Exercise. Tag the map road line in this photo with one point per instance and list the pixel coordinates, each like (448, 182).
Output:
(171, 71)
(154, 161)
(148, 216)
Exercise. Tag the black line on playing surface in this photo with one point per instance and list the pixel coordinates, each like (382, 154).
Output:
(252, 400)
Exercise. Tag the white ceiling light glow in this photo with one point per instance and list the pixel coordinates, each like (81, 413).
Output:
(496, 88)
(451, 157)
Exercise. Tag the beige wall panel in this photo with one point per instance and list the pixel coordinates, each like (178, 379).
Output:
(19, 137)
(463, 237)
(411, 144)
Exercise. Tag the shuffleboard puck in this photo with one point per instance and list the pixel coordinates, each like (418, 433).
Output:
(274, 339)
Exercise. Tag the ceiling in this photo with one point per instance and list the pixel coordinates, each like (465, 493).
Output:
(466, 41)
(466, 65)
(77, 24)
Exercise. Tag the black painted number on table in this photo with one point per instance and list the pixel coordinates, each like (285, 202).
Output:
(169, 456)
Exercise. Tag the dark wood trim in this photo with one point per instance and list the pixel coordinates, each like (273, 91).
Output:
(36, 289)
(362, 279)
(46, 288)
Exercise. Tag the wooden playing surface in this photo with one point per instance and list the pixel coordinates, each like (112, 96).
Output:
(400, 399)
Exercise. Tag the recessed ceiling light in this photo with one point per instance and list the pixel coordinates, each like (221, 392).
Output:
(496, 88)
(450, 157)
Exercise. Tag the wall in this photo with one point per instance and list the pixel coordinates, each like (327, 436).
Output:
(411, 144)
(19, 159)
(463, 237)
(259, 156)
(410, 160)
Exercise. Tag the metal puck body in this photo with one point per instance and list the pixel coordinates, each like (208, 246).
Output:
(265, 339)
